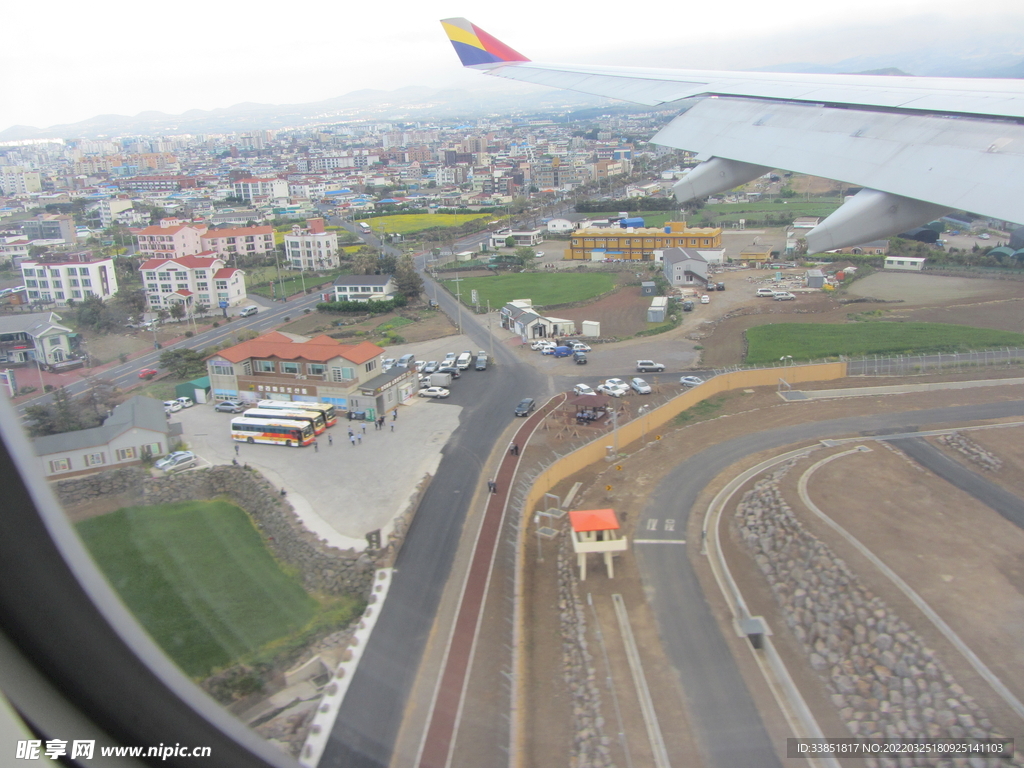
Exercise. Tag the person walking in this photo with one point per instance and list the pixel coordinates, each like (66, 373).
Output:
(352, 437)
(359, 438)
(364, 429)
(513, 450)
(236, 449)
(394, 414)
(316, 446)
(392, 426)
(330, 440)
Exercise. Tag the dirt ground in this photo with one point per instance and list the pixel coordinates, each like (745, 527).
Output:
(622, 313)
(982, 553)
(427, 325)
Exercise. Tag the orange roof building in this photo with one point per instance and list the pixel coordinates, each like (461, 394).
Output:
(320, 369)
(596, 530)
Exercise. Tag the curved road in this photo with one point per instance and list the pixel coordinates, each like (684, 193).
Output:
(726, 722)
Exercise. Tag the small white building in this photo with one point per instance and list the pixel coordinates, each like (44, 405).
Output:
(560, 225)
(906, 263)
(364, 288)
(523, 239)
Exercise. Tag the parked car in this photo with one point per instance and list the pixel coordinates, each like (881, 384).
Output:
(765, 292)
(691, 381)
(171, 406)
(579, 346)
(583, 389)
(687, 306)
(449, 369)
(229, 406)
(526, 406)
(705, 299)
(613, 387)
(547, 350)
(449, 358)
(481, 362)
(437, 392)
(640, 386)
(720, 286)
(580, 358)
(561, 351)
(542, 344)
(186, 402)
(784, 296)
(387, 364)
(419, 365)
(148, 373)
(176, 460)
(405, 361)
(648, 366)
(430, 367)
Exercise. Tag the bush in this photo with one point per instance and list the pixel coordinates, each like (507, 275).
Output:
(366, 308)
(216, 324)
(307, 311)
(189, 334)
(48, 388)
(123, 357)
(287, 318)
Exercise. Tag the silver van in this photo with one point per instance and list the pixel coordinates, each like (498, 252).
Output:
(249, 311)
(405, 361)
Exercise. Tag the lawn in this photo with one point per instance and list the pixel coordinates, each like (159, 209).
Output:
(544, 289)
(758, 210)
(199, 578)
(408, 223)
(806, 341)
(292, 281)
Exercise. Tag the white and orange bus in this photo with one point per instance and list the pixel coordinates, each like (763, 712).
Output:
(313, 418)
(329, 411)
(272, 431)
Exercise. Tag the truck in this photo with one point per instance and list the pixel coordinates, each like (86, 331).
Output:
(440, 379)
(463, 361)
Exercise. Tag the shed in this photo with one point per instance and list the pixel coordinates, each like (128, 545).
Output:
(911, 263)
(591, 329)
(197, 389)
(648, 288)
(815, 278)
(656, 312)
(596, 530)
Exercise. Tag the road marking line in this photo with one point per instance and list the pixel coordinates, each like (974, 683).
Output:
(659, 541)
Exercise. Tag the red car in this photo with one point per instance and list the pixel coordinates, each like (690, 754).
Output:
(148, 373)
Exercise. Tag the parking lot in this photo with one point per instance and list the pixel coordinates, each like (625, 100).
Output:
(341, 491)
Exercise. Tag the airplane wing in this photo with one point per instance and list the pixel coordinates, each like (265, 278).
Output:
(920, 147)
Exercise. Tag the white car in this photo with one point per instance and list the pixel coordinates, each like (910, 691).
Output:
(579, 346)
(691, 381)
(614, 387)
(765, 293)
(176, 460)
(186, 402)
(449, 358)
(646, 366)
(434, 392)
(583, 389)
(542, 344)
(430, 367)
(705, 299)
(172, 406)
(784, 296)
(387, 364)
(640, 386)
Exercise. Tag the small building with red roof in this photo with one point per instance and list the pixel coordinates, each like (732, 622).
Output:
(596, 530)
(280, 366)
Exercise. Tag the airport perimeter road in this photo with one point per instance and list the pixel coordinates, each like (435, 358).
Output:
(726, 722)
(371, 714)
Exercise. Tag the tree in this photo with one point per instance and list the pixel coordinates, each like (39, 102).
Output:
(524, 257)
(183, 363)
(100, 398)
(201, 309)
(62, 415)
(407, 279)
(94, 315)
(131, 300)
(162, 315)
(510, 242)
(178, 310)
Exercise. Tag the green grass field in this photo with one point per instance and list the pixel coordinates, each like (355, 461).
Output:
(198, 577)
(807, 341)
(544, 289)
(757, 210)
(408, 223)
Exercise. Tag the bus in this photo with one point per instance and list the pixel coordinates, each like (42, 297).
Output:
(272, 431)
(329, 411)
(315, 419)
(364, 227)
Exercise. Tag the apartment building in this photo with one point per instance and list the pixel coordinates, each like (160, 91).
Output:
(253, 189)
(319, 370)
(247, 241)
(169, 240)
(50, 227)
(60, 278)
(312, 247)
(203, 279)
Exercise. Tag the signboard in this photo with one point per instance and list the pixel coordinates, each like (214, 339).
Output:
(476, 298)
(223, 305)
(7, 379)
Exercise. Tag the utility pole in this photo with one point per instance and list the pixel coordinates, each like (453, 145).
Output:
(490, 335)
(458, 300)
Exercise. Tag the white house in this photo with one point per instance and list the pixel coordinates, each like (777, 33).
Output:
(364, 288)
(557, 226)
(137, 428)
(312, 247)
(910, 263)
(683, 266)
(35, 336)
(60, 278)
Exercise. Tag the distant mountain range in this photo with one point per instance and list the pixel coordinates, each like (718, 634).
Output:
(404, 104)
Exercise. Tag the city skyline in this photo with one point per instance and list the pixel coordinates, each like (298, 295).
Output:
(68, 78)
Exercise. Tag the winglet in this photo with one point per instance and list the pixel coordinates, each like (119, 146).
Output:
(475, 46)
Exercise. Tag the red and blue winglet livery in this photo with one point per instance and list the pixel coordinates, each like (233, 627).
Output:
(475, 47)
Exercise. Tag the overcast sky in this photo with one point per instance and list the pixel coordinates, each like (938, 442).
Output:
(74, 61)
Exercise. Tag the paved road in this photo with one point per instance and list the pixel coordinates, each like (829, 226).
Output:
(368, 723)
(931, 458)
(727, 725)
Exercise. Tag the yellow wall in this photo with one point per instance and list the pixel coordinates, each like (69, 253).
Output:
(640, 243)
(594, 451)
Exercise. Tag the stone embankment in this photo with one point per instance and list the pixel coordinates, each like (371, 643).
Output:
(590, 746)
(323, 568)
(974, 452)
(883, 680)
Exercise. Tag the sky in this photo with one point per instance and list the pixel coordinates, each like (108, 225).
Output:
(117, 57)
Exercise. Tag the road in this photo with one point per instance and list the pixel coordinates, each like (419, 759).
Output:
(726, 722)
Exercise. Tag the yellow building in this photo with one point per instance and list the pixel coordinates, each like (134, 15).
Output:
(598, 243)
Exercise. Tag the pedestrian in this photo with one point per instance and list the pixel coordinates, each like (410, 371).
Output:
(330, 440)
(364, 429)
(350, 432)
(513, 450)
(235, 462)
(352, 437)
(236, 449)
(316, 446)
(392, 426)
(394, 414)
(282, 493)
(360, 439)
(382, 422)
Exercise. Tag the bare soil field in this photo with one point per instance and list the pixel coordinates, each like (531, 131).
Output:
(426, 325)
(923, 289)
(621, 313)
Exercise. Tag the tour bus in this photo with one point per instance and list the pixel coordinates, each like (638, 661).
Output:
(329, 411)
(315, 419)
(364, 227)
(272, 431)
